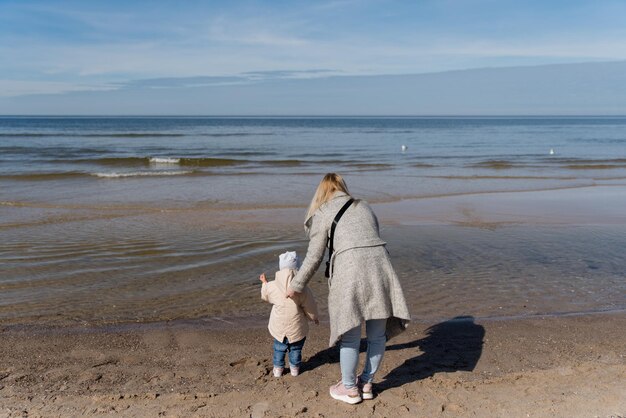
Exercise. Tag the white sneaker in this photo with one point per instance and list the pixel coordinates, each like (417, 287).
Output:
(294, 370)
(278, 371)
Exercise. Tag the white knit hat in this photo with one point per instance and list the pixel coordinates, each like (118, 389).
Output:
(288, 260)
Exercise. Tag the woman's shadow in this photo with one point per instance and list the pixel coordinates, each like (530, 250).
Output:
(449, 346)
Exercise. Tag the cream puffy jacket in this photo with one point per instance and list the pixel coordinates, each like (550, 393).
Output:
(289, 316)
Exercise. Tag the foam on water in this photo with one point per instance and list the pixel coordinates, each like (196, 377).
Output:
(164, 160)
(142, 174)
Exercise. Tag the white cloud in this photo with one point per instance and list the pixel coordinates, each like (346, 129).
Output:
(12, 88)
(225, 47)
(152, 59)
(605, 49)
(255, 32)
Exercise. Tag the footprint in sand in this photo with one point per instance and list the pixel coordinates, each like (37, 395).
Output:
(260, 409)
(245, 361)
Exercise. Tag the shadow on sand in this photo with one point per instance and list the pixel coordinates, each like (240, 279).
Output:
(449, 346)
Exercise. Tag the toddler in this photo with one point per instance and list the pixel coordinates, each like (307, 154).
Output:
(288, 319)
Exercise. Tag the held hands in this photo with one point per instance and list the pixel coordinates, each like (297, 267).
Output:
(293, 294)
(262, 278)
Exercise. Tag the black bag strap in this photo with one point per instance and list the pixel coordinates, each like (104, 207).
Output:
(332, 233)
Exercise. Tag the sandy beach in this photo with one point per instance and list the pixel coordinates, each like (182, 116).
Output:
(518, 358)
(569, 366)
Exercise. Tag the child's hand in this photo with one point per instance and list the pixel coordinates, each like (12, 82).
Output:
(262, 278)
(317, 322)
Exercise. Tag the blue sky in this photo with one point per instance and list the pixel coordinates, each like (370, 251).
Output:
(57, 47)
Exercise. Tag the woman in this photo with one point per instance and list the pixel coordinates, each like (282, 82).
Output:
(363, 286)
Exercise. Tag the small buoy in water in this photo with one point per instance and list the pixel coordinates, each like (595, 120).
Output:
(404, 147)
(551, 151)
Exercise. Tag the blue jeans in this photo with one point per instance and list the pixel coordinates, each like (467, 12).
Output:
(294, 349)
(349, 352)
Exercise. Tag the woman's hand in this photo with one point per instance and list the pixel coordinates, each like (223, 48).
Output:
(292, 293)
(262, 278)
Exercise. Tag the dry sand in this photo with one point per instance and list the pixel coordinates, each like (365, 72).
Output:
(571, 366)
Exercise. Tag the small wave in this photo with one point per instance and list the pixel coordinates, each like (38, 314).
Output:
(323, 155)
(89, 135)
(377, 166)
(594, 166)
(78, 174)
(142, 174)
(229, 134)
(494, 164)
(282, 163)
(210, 162)
(473, 177)
(147, 161)
(44, 176)
(164, 160)
(112, 161)
(332, 162)
(132, 135)
(127, 134)
(239, 153)
(225, 162)
(386, 131)
(183, 161)
(59, 151)
(588, 160)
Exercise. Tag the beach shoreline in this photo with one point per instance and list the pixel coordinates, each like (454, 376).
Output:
(538, 367)
(520, 249)
(601, 204)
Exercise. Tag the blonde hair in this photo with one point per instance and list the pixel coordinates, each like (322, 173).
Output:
(330, 184)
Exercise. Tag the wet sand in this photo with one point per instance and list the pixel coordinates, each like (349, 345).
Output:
(596, 205)
(573, 366)
(507, 254)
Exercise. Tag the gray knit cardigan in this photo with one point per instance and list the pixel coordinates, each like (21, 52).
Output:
(363, 284)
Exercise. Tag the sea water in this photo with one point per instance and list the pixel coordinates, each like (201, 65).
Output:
(140, 218)
(263, 161)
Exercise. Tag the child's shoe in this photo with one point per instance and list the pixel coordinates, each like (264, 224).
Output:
(366, 389)
(278, 371)
(294, 370)
(340, 393)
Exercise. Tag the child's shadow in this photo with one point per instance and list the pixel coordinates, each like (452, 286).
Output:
(449, 346)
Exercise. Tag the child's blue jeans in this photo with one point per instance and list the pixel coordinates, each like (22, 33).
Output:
(294, 349)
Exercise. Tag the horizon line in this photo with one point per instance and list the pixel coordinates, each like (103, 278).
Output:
(310, 116)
